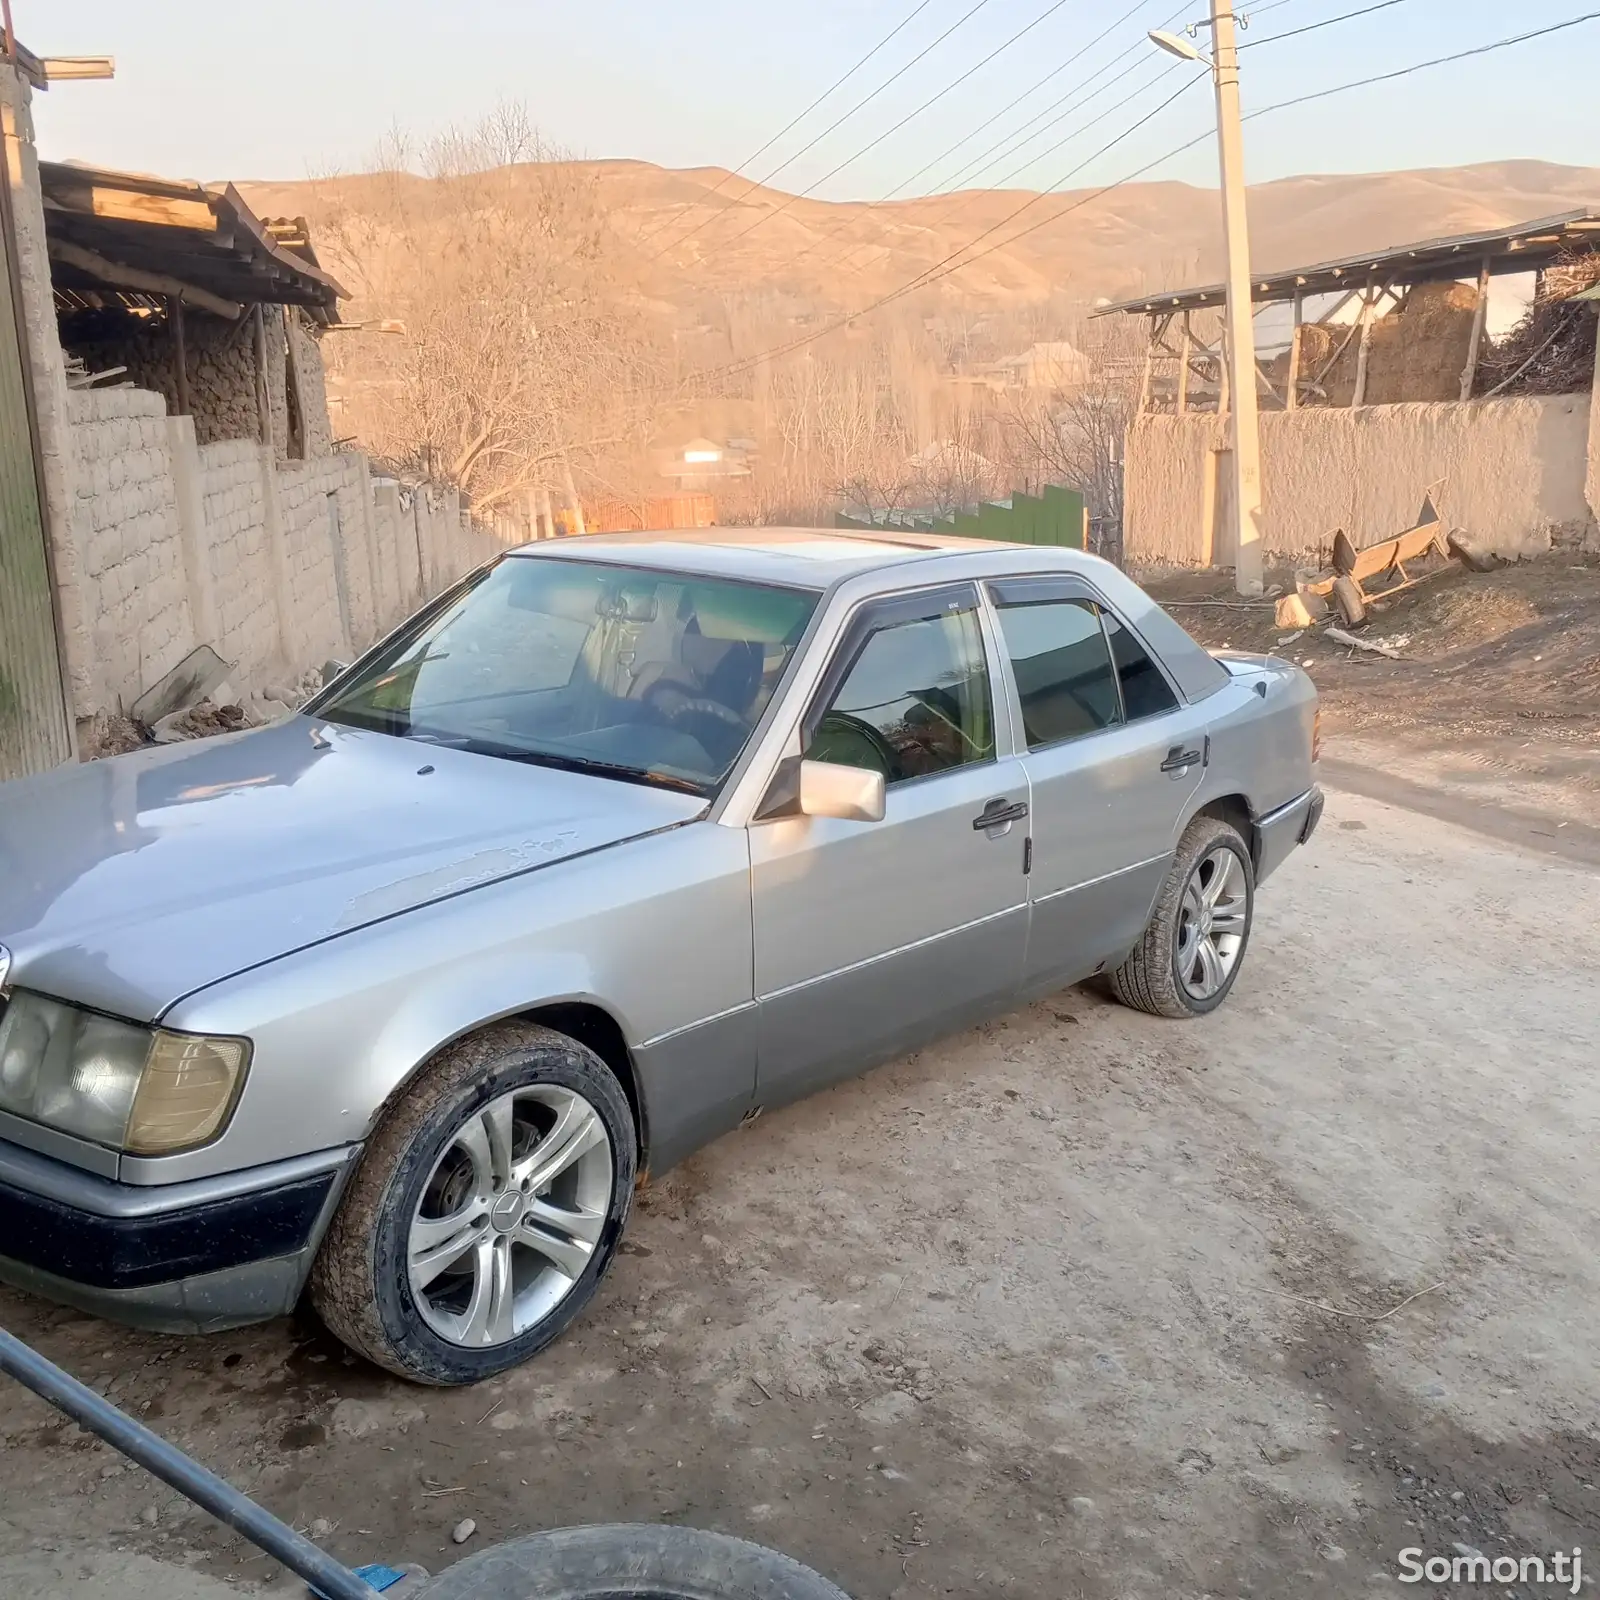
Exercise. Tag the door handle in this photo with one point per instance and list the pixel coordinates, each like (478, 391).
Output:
(1000, 814)
(1179, 759)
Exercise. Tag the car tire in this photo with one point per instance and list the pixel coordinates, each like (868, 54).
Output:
(464, 1152)
(612, 1563)
(1165, 975)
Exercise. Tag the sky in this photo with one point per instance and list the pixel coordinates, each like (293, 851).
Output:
(209, 89)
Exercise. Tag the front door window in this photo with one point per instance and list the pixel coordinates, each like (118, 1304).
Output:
(915, 702)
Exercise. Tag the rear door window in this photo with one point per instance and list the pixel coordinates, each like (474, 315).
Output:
(1145, 690)
(1062, 665)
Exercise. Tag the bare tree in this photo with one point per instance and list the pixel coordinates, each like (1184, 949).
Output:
(1076, 435)
(523, 362)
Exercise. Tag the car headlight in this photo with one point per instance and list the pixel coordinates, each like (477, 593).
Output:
(143, 1090)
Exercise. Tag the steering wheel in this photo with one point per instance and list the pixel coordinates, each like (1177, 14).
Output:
(674, 703)
(847, 730)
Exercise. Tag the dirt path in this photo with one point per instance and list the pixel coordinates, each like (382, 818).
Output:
(1038, 1312)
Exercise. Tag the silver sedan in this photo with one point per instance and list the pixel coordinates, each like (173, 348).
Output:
(619, 841)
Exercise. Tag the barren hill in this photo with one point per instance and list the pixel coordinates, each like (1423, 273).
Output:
(687, 238)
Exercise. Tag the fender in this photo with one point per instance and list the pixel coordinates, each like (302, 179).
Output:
(655, 931)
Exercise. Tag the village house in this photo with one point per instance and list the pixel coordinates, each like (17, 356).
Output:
(1384, 381)
(169, 476)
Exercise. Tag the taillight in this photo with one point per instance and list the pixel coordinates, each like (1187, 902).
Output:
(1316, 735)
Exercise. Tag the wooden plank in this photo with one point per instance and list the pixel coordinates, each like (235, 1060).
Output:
(119, 276)
(1183, 367)
(180, 353)
(1291, 398)
(1480, 313)
(1149, 362)
(293, 391)
(126, 205)
(263, 394)
(1333, 360)
(1364, 350)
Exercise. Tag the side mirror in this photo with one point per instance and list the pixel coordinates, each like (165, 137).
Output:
(850, 793)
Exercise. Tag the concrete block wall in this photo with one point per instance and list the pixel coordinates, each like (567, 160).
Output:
(236, 553)
(1514, 469)
(135, 624)
(323, 521)
(277, 565)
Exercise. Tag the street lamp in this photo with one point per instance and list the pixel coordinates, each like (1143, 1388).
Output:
(1246, 430)
(1176, 45)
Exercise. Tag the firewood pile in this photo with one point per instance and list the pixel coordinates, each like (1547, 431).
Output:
(1551, 350)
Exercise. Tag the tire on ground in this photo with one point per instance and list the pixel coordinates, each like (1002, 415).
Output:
(360, 1283)
(1148, 979)
(608, 1563)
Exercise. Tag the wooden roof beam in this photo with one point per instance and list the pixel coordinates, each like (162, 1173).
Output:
(117, 276)
(128, 205)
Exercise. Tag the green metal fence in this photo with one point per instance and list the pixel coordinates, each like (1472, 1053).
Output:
(1056, 517)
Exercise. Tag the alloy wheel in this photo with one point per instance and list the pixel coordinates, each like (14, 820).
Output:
(511, 1215)
(1213, 918)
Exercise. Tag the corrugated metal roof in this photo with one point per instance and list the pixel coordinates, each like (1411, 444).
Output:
(1517, 249)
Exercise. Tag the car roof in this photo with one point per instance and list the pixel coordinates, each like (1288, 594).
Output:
(880, 561)
(808, 558)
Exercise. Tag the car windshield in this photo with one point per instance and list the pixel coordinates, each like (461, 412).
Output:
(646, 676)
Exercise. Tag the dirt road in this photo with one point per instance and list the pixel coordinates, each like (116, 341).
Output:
(1081, 1304)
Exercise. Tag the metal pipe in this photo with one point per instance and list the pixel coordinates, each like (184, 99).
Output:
(172, 1466)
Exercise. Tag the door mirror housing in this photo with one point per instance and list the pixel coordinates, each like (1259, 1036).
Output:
(853, 794)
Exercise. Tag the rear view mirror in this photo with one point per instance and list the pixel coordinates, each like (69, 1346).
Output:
(852, 794)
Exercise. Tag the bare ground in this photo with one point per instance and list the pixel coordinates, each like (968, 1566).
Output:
(1496, 700)
(1080, 1305)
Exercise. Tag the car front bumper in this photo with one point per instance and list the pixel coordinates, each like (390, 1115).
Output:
(181, 1258)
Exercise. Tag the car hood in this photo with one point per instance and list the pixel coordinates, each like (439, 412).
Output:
(126, 884)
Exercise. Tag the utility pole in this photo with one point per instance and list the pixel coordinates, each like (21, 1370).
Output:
(1241, 324)
(1240, 333)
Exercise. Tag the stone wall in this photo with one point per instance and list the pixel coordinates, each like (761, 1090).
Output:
(313, 387)
(1514, 473)
(220, 358)
(277, 565)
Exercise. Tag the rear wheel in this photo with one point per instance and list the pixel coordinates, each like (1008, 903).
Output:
(486, 1209)
(1194, 943)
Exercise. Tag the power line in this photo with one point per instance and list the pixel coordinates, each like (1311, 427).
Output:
(1422, 66)
(1327, 22)
(757, 183)
(950, 264)
(1009, 143)
(838, 83)
(789, 200)
(1011, 105)
(1064, 140)
(981, 163)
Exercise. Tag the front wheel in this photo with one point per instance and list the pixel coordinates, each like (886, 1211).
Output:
(1194, 943)
(486, 1208)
